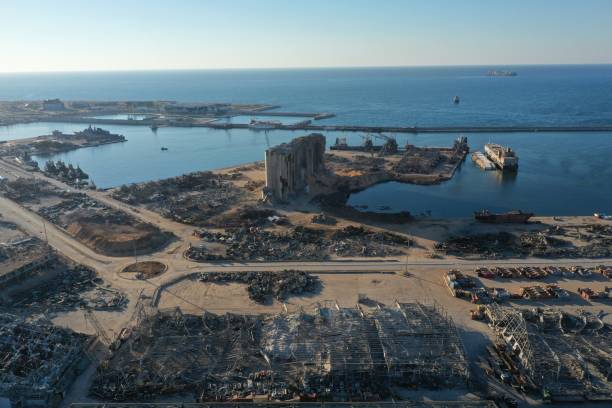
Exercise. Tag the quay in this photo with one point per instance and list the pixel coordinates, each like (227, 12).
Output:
(212, 123)
(315, 116)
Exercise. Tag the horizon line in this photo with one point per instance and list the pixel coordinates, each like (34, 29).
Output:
(135, 70)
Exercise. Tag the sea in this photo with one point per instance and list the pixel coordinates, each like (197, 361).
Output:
(563, 173)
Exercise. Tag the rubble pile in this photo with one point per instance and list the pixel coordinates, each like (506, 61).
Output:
(418, 160)
(247, 216)
(543, 244)
(76, 202)
(23, 190)
(199, 253)
(324, 219)
(351, 241)
(566, 357)
(486, 246)
(191, 198)
(72, 287)
(37, 357)
(26, 248)
(301, 243)
(263, 285)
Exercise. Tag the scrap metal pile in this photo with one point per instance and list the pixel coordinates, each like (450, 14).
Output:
(23, 249)
(73, 286)
(301, 243)
(36, 357)
(542, 272)
(333, 351)
(264, 285)
(565, 356)
(544, 244)
(191, 198)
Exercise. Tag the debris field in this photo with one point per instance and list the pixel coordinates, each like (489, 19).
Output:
(104, 229)
(566, 357)
(300, 243)
(262, 286)
(38, 358)
(344, 353)
(192, 198)
(588, 241)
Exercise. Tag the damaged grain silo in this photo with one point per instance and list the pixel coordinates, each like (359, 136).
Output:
(290, 166)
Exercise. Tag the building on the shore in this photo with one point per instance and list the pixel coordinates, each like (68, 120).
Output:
(53, 105)
(198, 108)
(290, 166)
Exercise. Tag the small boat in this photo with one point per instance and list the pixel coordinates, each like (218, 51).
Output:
(456, 100)
(501, 73)
(164, 149)
(154, 127)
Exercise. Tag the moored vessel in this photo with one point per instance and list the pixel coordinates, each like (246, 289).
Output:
(481, 161)
(496, 73)
(502, 156)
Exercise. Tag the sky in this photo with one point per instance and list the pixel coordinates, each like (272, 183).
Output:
(102, 35)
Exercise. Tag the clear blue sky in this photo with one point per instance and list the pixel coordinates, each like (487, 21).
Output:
(71, 35)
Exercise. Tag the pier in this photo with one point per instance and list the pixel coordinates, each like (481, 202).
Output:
(212, 123)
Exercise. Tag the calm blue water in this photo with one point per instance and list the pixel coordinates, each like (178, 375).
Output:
(394, 96)
(559, 173)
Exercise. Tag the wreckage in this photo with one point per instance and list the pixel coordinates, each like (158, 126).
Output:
(262, 286)
(104, 229)
(336, 352)
(39, 360)
(549, 243)
(300, 243)
(566, 357)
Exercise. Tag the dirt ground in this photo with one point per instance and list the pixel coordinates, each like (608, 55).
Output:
(104, 229)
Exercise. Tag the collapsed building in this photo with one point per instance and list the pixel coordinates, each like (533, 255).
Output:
(20, 259)
(564, 356)
(39, 361)
(291, 166)
(332, 353)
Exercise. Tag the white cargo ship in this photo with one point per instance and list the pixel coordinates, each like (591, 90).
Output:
(502, 156)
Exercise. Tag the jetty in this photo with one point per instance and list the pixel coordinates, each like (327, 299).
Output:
(213, 123)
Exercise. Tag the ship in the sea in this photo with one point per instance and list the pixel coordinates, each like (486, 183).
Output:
(456, 100)
(510, 217)
(481, 161)
(501, 73)
(264, 124)
(502, 156)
